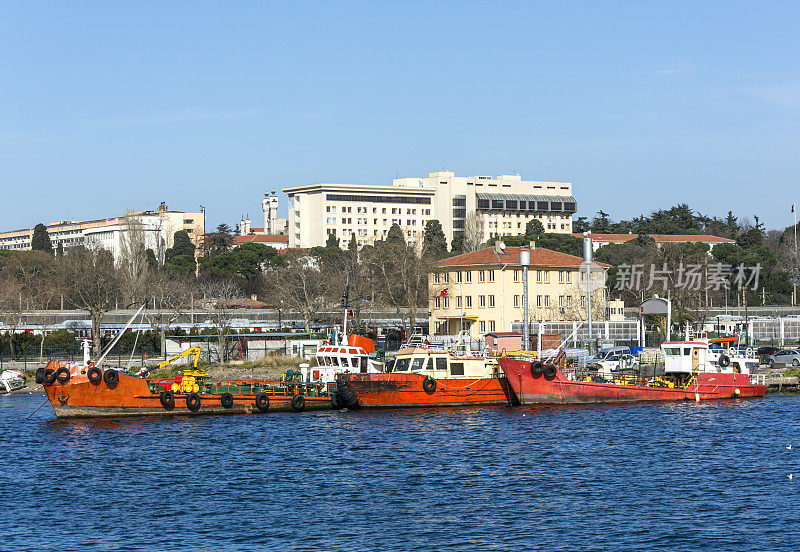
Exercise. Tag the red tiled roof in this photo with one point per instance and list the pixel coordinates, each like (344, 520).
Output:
(660, 238)
(510, 256)
(276, 238)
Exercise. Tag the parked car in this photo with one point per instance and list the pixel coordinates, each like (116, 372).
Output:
(607, 352)
(764, 354)
(616, 364)
(785, 357)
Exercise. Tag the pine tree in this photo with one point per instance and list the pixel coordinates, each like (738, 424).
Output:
(60, 250)
(533, 228)
(434, 243)
(332, 242)
(41, 239)
(395, 235)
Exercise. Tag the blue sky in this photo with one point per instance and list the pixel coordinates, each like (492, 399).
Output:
(106, 106)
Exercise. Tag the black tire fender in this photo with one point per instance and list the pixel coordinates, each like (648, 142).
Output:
(49, 376)
(167, 399)
(550, 372)
(111, 377)
(94, 374)
(40, 375)
(226, 400)
(537, 368)
(429, 384)
(262, 402)
(298, 402)
(62, 375)
(724, 361)
(349, 399)
(193, 402)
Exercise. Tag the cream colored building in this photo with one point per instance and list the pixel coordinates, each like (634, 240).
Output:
(483, 205)
(158, 228)
(481, 291)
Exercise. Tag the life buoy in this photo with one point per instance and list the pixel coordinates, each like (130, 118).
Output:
(262, 402)
(724, 361)
(62, 375)
(550, 372)
(298, 402)
(167, 399)
(429, 385)
(49, 376)
(193, 402)
(537, 368)
(111, 377)
(94, 374)
(226, 400)
(39, 375)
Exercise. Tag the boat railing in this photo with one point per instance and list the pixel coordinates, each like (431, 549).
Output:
(758, 379)
(252, 388)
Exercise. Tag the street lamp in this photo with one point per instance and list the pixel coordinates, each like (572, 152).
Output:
(588, 254)
(525, 261)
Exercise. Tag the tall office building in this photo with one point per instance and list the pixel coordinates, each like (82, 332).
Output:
(483, 204)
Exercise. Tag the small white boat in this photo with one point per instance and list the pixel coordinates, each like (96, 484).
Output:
(12, 380)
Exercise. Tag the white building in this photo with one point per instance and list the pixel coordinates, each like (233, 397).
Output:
(157, 230)
(494, 206)
(273, 226)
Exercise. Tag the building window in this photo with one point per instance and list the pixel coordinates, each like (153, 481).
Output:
(516, 275)
(437, 278)
(458, 277)
(481, 276)
(560, 300)
(447, 302)
(483, 326)
(516, 300)
(468, 301)
(481, 301)
(491, 325)
(446, 277)
(538, 300)
(468, 277)
(458, 302)
(569, 300)
(491, 275)
(583, 301)
(546, 300)
(538, 276)
(569, 277)
(437, 302)
(560, 276)
(491, 300)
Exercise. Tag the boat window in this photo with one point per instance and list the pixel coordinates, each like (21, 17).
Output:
(417, 364)
(672, 351)
(390, 365)
(687, 351)
(456, 368)
(363, 365)
(401, 364)
(441, 364)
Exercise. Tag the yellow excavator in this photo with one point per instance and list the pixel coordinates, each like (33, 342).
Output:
(192, 351)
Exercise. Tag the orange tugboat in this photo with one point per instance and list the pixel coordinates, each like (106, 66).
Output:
(82, 390)
(428, 377)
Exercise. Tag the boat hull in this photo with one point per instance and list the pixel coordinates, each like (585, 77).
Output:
(132, 396)
(560, 390)
(406, 390)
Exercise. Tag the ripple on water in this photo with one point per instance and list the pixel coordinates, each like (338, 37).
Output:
(640, 477)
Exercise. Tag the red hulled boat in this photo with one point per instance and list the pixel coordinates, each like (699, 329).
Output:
(428, 377)
(691, 371)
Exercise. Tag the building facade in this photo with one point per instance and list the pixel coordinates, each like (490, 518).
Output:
(480, 205)
(481, 292)
(156, 229)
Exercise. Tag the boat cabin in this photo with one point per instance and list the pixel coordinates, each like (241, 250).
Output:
(687, 357)
(351, 359)
(439, 363)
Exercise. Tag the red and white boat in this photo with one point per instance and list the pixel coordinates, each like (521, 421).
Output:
(692, 371)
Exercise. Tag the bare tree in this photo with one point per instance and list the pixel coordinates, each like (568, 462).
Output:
(93, 283)
(473, 232)
(219, 296)
(133, 257)
(302, 286)
(171, 296)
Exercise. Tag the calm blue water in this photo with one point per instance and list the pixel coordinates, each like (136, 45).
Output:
(643, 477)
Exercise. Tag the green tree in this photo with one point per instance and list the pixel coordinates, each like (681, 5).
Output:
(220, 240)
(150, 257)
(41, 239)
(457, 245)
(434, 243)
(395, 235)
(332, 241)
(180, 257)
(60, 250)
(534, 228)
(752, 237)
(580, 225)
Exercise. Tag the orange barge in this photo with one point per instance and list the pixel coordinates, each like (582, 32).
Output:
(83, 391)
(428, 377)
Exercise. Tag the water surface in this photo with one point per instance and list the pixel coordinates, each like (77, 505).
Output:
(637, 477)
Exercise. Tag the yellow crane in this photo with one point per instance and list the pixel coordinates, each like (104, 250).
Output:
(191, 351)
